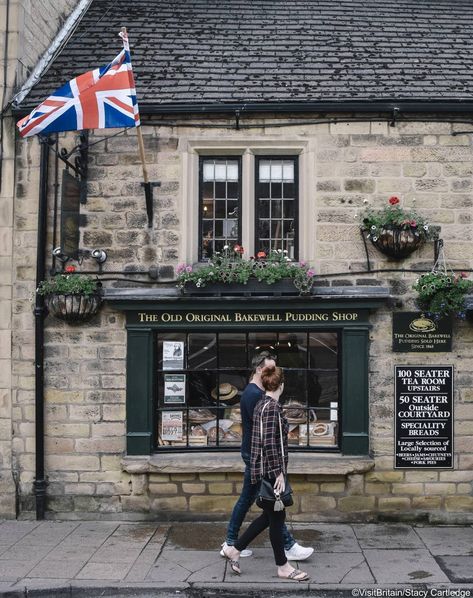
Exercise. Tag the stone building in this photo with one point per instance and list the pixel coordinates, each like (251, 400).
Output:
(27, 31)
(271, 125)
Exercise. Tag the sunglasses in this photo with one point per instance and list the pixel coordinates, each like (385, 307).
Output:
(266, 355)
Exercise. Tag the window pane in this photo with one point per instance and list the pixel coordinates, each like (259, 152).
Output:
(232, 171)
(201, 385)
(202, 351)
(288, 171)
(323, 349)
(209, 171)
(264, 170)
(275, 177)
(232, 350)
(295, 388)
(292, 349)
(220, 172)
(261, 341)
(276, 171)
(215, 204)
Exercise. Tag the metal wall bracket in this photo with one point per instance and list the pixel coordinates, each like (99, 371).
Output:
(148, 187)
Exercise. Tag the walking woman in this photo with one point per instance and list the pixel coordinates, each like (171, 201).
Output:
(268, 459)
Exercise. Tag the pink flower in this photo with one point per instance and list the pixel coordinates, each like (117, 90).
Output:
(394, 200)
(238, 249)
(261, 254)
(70, 269)
(180, 268)
(310, 273)
(188, 268)
(302, 263)
(464, 274)
(413, 223)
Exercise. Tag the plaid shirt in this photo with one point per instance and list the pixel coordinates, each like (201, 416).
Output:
(272, 457)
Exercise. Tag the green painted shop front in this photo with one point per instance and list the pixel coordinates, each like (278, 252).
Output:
(346, 319)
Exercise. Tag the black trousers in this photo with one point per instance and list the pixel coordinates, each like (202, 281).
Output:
(275, 521)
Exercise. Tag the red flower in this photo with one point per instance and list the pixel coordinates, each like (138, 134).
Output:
(70, 269)
(261, 254)
(238, 249)
(464, 274)
(413, 223)
(394, 200)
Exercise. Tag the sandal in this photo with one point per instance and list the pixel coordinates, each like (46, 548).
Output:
(295, 575)
(234, 565)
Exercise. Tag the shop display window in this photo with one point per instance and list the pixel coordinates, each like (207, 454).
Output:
(200, 377)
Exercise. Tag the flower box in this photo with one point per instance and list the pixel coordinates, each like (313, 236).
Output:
(253, 287)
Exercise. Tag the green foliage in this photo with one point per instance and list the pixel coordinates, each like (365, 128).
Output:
(374, 221)
(69, 284)
(442, 294)
(229, 267)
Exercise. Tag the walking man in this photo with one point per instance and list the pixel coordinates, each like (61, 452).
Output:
(249, 398)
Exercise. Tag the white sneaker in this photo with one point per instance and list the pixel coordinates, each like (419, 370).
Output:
(298, 552)
(243, 553)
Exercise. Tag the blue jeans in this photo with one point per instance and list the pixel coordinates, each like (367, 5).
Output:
(242, 506)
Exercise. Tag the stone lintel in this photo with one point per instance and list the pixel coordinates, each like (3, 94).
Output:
(303, 464)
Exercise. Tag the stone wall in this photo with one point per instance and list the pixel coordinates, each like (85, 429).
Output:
(30, 27)
(85, 367)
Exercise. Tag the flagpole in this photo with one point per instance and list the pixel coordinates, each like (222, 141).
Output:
(141, 146)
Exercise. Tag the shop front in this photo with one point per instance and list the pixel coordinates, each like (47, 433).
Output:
(188, 361)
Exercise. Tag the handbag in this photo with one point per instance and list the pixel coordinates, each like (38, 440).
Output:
(267, 497)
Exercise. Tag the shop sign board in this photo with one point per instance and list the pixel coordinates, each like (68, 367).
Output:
(414, 332)
(242, 317)
(424, 416)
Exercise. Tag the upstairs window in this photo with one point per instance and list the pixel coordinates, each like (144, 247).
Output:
(276, 204)
(220, 204)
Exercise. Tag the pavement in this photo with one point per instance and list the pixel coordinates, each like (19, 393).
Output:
(105, 558)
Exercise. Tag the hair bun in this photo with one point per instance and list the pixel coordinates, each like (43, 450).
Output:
(272, 377)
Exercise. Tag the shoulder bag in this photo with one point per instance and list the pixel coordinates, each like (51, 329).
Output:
(267, 498)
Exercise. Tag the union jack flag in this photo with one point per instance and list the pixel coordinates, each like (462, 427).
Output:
(100, 99)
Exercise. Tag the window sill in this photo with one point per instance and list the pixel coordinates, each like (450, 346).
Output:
(301, 463)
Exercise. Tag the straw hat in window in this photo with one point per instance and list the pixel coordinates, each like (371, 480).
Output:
(226, 392)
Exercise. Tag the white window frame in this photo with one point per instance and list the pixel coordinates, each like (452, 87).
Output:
(247, 149)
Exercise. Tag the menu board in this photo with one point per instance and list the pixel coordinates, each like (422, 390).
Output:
(424, 416)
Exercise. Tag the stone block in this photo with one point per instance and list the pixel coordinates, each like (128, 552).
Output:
(394, 504)
(464, 488)
(332, 487)
(407, 488)
(459, 503)
(163, 488)
(192, 488)
(349, 504)
(211, 504)
(427, 502)
(183, 477)
(377, 488)
(177, 503)
(212, 477)
(220, 487)
(440, 488)
(73, 462)
(315, 504)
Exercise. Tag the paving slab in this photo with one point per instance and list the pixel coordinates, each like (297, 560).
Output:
(52, 569)
(50, 532)
(71, 552)
(104, 571)
(15, 570)
(404, 566)
(22, 551)
(12, 531)
(389, 535)
(116, 553)
(201, 565)
(459, 569)
(168, 572)
(140, 533)
(447, 540)
(327, 537)
(335, 568)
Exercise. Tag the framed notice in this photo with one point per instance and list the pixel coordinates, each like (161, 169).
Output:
(413, 332)
(173, 355)
(424, 416)
(171, 425)
(175, 389)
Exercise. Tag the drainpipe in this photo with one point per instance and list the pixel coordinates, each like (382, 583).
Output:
(39, 484)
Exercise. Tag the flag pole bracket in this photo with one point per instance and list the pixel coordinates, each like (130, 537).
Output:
(148, 187)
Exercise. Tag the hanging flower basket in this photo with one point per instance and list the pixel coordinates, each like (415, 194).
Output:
(397, 242)
(395, 231)
(73, 308)
(73, 298)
